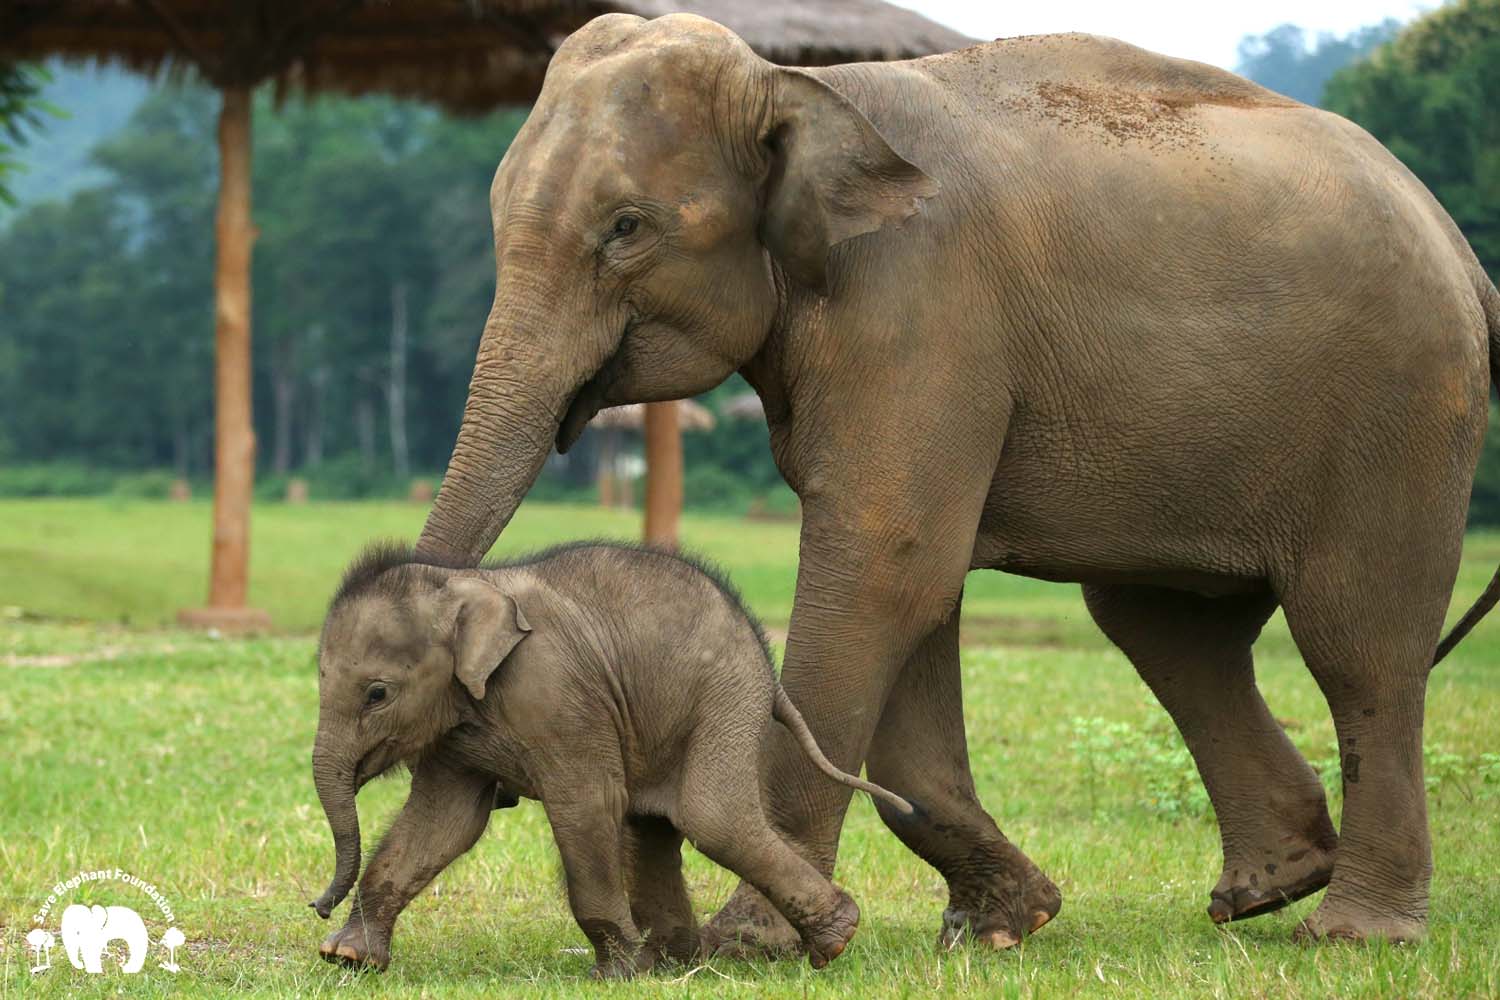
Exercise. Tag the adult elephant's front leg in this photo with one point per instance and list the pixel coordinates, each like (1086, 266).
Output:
(995, 893)
(871, 585)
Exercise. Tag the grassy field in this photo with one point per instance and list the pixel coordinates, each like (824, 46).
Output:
(184, 759)
(137, 562)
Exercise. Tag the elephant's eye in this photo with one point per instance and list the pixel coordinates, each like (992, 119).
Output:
(625, 225)
(375, 695)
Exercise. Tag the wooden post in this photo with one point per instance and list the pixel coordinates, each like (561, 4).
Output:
(234, 433)
(663, 474)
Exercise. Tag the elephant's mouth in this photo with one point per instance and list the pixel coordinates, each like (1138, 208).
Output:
(586, 403)
(589, 399)
(375, 763)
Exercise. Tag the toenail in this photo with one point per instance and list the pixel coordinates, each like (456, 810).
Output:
(1001, 940)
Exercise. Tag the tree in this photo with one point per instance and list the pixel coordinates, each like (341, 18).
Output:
(342, 259)
(1430, 97)
(1288, 62)
(62, 387)
(162, 177)
(21, 110)
(373, 217)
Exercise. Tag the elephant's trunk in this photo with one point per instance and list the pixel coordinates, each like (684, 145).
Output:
(510, 422)
(334, 775)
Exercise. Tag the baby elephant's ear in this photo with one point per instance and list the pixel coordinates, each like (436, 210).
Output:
(487, 625)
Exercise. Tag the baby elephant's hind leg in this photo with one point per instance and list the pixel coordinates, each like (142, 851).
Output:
(721, 813)
(658, 896)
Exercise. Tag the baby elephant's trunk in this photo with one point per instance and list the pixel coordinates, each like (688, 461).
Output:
(336, 783)
(784, 712)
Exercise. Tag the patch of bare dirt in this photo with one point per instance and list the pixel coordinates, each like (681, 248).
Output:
(102, 654)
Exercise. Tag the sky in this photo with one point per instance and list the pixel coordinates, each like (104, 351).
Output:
(1191, 29)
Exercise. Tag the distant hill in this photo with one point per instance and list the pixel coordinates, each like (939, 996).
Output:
(96, 103)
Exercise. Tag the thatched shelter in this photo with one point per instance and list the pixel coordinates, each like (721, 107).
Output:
(819, 32)
(663, 471)
(463, 54)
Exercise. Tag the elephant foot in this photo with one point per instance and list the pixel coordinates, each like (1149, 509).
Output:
(748, 927)
(832, 936)
(998, 917)
(1335, 920)
(1251, 888)
(624, 966)
(997, 931)
(678, 944)
(356, 946)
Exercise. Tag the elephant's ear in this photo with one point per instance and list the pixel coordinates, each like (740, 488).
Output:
(487, 625)
(833, 177)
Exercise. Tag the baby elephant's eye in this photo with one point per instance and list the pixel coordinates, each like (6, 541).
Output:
(626, 224)
(375, 695)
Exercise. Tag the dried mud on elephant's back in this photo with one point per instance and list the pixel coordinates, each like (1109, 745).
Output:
(1155, 118)
(1125, 115)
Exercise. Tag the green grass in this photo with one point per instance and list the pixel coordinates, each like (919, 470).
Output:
(185, 760)
(138, 562)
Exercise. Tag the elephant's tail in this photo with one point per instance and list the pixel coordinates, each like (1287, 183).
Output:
(784, 712)
(1491, 596)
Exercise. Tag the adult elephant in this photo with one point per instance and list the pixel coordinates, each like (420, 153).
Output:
(1055, 306)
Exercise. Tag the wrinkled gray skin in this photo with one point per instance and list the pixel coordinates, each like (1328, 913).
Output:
(623, 688)
(1054, 306)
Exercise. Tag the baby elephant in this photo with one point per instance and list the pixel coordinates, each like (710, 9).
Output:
(626, 689)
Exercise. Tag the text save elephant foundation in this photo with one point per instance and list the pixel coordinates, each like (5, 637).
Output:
(1054, 306)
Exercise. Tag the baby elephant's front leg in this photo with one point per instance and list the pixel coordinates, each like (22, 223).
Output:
(444, 815)
(589, 832)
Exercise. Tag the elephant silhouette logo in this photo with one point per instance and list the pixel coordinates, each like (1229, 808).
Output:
(101, 938)
(87, 930)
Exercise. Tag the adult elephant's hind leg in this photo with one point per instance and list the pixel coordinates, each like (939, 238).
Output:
(1367, 623)
(995, 893)
(1194, 654)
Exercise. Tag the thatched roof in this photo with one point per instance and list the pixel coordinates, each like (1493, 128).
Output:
(465, 54)
(691, 416)
(819, 32)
